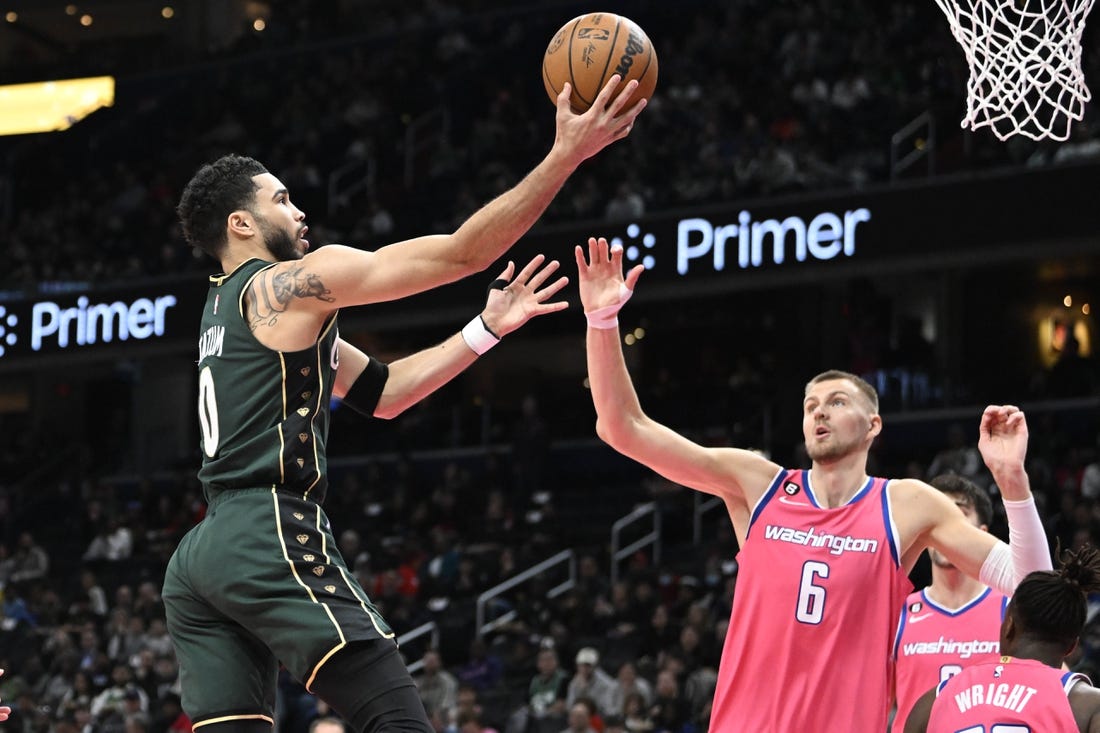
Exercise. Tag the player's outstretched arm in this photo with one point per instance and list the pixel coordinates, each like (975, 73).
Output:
(354, 277)
(512, 301)
(737, 475)
(1003, 445)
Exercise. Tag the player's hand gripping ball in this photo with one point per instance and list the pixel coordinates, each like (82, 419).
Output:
(591, 48)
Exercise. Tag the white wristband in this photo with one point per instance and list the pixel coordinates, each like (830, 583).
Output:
(608, 316)
(478, 336)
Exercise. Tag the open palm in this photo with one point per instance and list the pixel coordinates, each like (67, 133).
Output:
(524, 297)
(600, 276)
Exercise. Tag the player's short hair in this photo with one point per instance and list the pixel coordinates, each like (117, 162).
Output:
(1052, 605)
(973, 495)
(861, 384)
(213, 193)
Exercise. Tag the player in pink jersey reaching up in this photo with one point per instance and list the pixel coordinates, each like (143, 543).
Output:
(954, 622)
(825, 553)
(1025, 690)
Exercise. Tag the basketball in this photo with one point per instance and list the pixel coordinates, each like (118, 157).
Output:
(591, 48)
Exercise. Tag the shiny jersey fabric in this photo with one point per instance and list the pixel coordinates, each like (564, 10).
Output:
(814, 614)
(1006, 692)
(263, 414)
(934, 643)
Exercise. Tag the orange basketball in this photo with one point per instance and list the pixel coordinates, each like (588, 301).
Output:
(589, 49)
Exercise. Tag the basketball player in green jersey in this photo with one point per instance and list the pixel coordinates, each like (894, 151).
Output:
(259, 581)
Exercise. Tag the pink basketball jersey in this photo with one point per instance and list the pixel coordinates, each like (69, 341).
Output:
(814, 614)
(1006, 692)
(933, 643)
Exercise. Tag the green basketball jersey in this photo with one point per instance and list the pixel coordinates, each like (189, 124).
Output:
(263, 414)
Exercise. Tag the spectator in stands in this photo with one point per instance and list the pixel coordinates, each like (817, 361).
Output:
(79, 695)
(29, 562)
(157, 639)
(590, 681)
(148, 604)
(1072, 375)
(115, 542)
(591, 581)
(546, 693)
(636, 717)
(961, 456)
(660, 633)
(438, 688)
(483, 669)
(580, 718)
(59, 678)
(93, 604)
(1090, 476)
(670, 710)
(125, 635)
(687, 649)
(112, 705)
(470, 722)
(628, 683)
(351, 548)
(467, 708)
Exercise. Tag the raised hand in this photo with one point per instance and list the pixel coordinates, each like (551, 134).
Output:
(601, 275)
(524, 297)
(1003, 438)
(581, 136)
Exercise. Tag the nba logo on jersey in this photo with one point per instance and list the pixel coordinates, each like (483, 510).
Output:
(217, 297)
(790, 488)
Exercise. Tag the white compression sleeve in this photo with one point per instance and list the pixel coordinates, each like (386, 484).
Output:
(1007, 565)
(997, 569)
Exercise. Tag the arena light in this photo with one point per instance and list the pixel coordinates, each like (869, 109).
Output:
(49, 106)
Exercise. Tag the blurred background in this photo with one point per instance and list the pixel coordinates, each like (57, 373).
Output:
(803, 198)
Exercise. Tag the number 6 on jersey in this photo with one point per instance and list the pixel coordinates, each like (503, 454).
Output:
(811, 598)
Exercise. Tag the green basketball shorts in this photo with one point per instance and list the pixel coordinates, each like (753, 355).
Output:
(258, 582)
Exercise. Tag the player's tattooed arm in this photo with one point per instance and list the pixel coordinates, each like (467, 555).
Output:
(273, 290)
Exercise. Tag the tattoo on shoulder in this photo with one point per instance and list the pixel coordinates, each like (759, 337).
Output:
(272, 291)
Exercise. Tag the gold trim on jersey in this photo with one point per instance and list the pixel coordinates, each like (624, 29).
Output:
(282, 441)
(320, 664)
(317, 410)
(244, 289)
(294, 570)
(226, 718)
(362, 603)
(219, 279)
(324, 540)
(374, 618)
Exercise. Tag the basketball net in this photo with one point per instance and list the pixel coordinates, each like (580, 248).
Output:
(1025, 64)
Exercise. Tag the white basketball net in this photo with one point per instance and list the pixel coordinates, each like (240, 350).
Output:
(1025, 64)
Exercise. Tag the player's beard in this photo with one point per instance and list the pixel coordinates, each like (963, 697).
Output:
(278, 242)
(830, 449)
